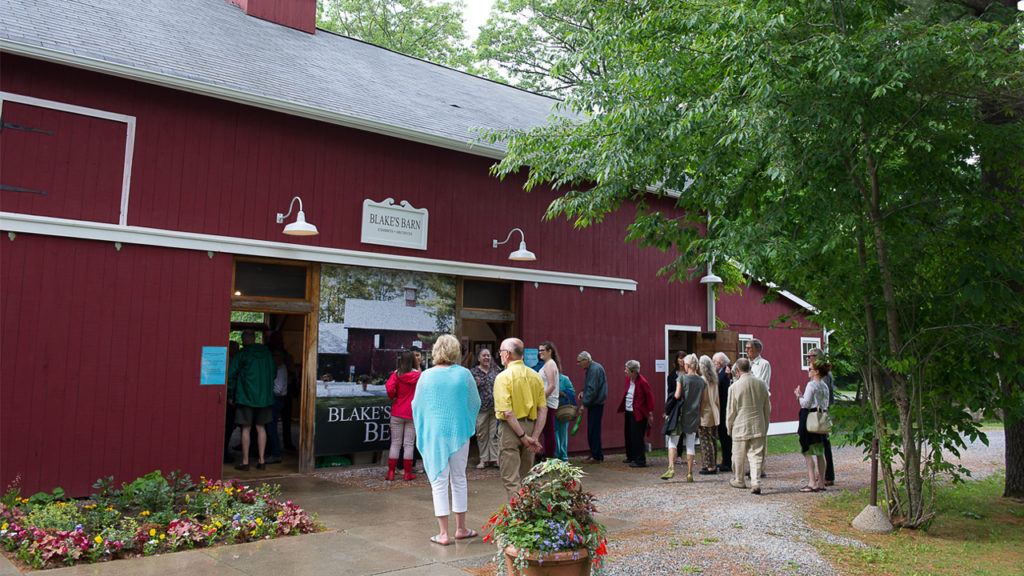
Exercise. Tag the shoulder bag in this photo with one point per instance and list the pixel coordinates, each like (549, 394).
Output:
(819, 422)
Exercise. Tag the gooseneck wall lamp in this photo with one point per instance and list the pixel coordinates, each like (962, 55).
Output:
(300, 227)
(521, 255)
(710, 280)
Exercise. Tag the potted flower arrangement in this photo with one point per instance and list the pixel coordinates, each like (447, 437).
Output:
(549, 527)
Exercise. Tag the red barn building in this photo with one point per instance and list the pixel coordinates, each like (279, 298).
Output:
(147, 147)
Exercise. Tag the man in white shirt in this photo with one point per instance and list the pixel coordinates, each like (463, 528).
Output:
(759, 367)
(762, 370)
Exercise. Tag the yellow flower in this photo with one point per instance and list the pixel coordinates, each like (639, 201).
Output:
(152, 531)
(3, 526)
(217, 524)
(162, 536)
(259, 521)
(144, 513)
(98, 539)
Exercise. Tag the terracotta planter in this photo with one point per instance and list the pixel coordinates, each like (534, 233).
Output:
(571, 563)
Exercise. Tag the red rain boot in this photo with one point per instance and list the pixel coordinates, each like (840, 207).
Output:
(408, 471)
(392, 464)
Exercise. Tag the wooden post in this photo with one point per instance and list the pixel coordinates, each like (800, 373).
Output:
(874, 472)
(307, 399)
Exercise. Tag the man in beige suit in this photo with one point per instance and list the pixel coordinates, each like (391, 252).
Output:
(747, 422)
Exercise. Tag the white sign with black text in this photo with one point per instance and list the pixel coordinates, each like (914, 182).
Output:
(390, 224)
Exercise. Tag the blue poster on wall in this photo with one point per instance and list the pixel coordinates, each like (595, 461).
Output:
(214, 366)
(532, 359)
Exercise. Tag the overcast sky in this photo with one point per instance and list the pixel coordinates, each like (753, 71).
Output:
(475, 15)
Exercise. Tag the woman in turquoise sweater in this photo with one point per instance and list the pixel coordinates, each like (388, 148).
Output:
(444, 413)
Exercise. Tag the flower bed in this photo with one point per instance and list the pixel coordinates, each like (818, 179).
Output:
(151, 515)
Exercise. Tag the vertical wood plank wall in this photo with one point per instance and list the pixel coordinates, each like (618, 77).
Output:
(100, 355)
(210, 166)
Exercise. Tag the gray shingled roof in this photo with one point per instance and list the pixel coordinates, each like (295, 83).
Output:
(213, 47)
(388, 315)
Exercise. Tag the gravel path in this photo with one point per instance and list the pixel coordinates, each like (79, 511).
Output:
(711, 528)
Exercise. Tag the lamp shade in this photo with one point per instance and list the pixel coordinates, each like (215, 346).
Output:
(522, 255)
(300, 227)
(711, 278)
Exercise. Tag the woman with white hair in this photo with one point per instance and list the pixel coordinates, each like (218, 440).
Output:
(709, 416)
(444, 413)
(684, 418)
(638, 407)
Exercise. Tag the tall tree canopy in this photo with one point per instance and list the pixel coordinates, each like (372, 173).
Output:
(431, 31)
(843, 149)
(529, 41)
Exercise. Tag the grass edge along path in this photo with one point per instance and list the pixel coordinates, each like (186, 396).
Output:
(976, 531)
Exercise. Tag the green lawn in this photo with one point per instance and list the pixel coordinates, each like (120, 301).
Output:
(783, 444)
(975, 532)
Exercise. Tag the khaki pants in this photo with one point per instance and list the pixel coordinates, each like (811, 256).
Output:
(487, 436)
(515, 460)
(743, 451)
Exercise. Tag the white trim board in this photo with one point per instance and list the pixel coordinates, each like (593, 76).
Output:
(780, 428)
(468, 145)
(31, 224)
(129, 141)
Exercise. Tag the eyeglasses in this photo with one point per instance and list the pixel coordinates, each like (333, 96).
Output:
(500, 350)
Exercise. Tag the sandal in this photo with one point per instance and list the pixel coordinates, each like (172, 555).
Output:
(822, 489)
(668, 474)
(807, 489)
(470, 534)
(437, 540)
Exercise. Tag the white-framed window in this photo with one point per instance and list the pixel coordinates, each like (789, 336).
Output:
(744, 340)
(805, 346)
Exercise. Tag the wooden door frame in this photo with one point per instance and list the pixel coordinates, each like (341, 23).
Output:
(310, 311)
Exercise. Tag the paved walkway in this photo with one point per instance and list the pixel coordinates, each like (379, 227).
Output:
(655, 527)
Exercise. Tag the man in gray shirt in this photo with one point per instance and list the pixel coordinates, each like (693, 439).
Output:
(595, 391)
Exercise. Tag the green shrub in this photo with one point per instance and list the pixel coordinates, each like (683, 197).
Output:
(150, 492)
(54, 516)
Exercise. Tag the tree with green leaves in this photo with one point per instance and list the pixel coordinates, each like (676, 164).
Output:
(529, 41)
(845, 151)
(427, 30)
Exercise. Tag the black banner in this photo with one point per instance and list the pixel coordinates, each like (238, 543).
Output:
(345, 425)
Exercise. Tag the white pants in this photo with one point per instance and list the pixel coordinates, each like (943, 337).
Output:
(691, 440)
(455, 474)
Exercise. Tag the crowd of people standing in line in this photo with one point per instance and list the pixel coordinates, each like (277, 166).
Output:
(512, 413)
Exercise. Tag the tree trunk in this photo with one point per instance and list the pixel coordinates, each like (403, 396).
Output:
(914, 512)
(1014, 459)
(1014, 434)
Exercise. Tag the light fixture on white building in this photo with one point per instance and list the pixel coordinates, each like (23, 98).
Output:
(520, 255)
(709, 280)
(300, 227)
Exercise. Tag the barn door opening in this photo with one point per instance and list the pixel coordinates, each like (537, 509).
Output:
(273, 298)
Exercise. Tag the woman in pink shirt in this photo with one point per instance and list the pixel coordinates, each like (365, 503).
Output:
(401, 387)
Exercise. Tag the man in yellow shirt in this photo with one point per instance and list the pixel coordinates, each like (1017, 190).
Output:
(520, 406)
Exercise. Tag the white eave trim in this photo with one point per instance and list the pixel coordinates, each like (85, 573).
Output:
(102, 231)
(223, 93)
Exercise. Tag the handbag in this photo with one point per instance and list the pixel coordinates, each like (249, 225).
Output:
(565, 413)
(819, 422)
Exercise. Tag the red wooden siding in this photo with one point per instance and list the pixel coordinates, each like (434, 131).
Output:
(210, 166)
(99, 356)
(79, 166)
(747, 313)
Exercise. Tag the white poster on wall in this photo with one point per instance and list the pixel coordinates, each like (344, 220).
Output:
(390, 224)
(661, 365)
